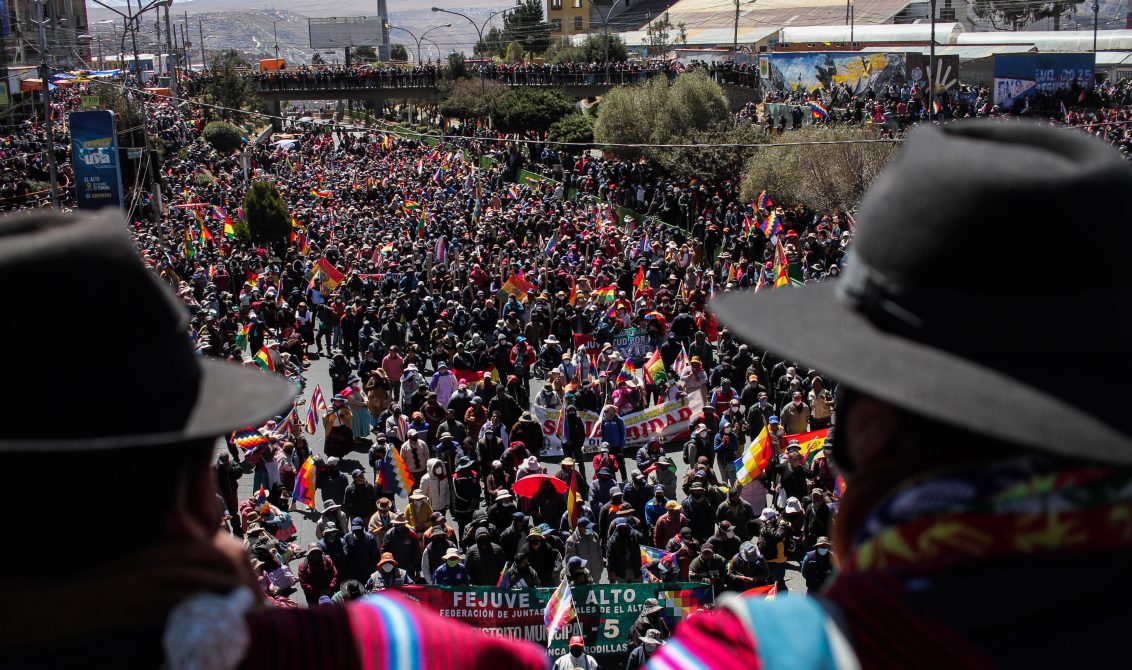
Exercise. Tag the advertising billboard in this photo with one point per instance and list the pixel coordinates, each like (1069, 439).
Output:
(339, 32)
(1024, 75)
(94, 145)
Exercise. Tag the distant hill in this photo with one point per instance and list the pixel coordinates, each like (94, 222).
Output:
(251, 29)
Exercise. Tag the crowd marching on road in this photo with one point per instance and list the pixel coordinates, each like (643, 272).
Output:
(471, 351)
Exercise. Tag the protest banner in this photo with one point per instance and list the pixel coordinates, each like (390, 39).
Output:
(633, 343)
(669, 422)
(606, 612)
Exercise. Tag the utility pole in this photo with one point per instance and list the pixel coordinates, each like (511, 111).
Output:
(275, 29)
(735, 40)
(848, 3)
(44, 74)
(931, 69)
(203, 60)
(1096, 10)
(852, 22)
(185, 42)
(176, 63)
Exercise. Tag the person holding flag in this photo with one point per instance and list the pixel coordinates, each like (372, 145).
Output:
(559, 611)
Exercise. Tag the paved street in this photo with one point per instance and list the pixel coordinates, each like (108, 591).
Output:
(305, 521)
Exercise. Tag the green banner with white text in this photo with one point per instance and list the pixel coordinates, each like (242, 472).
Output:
(606, 612)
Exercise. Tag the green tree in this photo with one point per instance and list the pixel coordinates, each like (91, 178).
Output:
(572, 128)
(398, 52)
(472, 99)
(824, 177)
(227, 89)
(266, 213)
(589, 50)
(494, 44)
(223, 136)
(717, 154)
(658, 36)
(523, 109)
(525, 25)
(457, 68)
(660, 112)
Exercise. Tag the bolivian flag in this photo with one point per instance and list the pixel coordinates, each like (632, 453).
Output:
(606, 293)
(266, 359)
(812, 443)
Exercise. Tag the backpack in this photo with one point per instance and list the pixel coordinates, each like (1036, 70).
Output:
(467, 490)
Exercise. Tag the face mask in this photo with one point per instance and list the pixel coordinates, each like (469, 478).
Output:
(588, 531)
(575, 652)
(388, 567)
(650, 647)
(452, 564)
(797, 403)
(730, 533)
(823, 551)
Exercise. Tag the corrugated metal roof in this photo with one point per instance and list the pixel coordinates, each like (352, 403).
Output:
(1113, 58)
(945, 33)
(964, 53)
(1063, 40)
(717, 13)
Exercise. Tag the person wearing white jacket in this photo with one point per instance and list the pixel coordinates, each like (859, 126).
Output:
(436, 485)
(443, 383)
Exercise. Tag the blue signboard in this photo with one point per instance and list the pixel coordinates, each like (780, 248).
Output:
(1022, 75)
(5, 25)
(94, 145)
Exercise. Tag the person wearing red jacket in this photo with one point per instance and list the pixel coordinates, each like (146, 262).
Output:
(317, 575)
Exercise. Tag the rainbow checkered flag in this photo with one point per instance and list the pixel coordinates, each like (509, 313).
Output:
(559, 611)
(305, 483)
(248, 438)
(393, 474)
(679, 603)
(287, 426)
(311, 422)
(650, 554)
(317, 401)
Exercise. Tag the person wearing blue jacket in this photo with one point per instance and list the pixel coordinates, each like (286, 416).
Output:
(726, 450)
(613, 433)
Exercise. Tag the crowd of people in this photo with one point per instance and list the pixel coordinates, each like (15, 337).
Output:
(522, 74)
(411, 332)
(449, 300)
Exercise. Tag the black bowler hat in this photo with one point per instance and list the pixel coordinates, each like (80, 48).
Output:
(104, 325)
(962, 289)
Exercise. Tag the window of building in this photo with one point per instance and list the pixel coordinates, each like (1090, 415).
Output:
(578, 24)
(556, 4)
(555, 25)
(577, 4)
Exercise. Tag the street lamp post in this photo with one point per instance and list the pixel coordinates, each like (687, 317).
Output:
(420, 39)
(275, 30)
(479, 30)
(605, 29)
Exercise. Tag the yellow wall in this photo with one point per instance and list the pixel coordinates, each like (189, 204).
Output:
(562, 14)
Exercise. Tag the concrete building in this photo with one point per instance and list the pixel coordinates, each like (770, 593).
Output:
(65, 27)
(568, 17)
